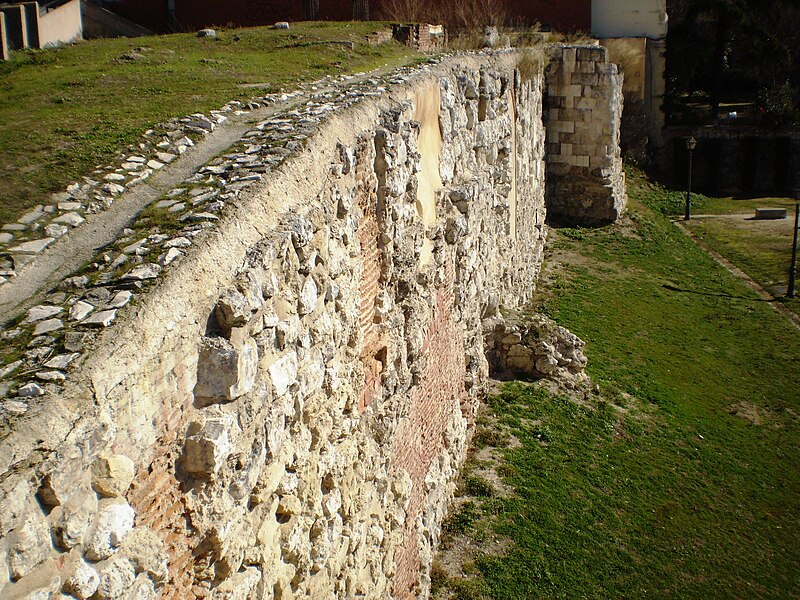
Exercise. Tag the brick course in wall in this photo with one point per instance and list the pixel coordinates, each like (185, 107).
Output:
(421, 436)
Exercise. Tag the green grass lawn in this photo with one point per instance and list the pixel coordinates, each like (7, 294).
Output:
(67, 110)
(731, 206)
(758, 248)
(764, 256)
(691, 489)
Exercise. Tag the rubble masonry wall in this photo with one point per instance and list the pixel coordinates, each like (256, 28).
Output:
(284, 415)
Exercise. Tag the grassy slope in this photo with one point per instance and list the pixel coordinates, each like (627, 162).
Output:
(765, 258)
(67, 110)
(675, 496)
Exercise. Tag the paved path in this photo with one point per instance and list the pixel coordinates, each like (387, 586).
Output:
(793, 318)
(71, 251)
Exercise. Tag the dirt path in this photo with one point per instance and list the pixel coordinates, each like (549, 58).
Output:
(778, 226)
(71, 251)
(777, 306)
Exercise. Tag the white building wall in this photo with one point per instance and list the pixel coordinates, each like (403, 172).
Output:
(629, 18)
(62, 25)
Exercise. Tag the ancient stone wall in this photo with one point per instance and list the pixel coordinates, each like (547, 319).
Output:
(585, 180)
(284, 414)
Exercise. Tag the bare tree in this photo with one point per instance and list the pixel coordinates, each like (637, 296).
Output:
(361, 10)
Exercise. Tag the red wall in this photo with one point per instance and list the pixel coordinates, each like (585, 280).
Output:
(151, 14)
(564, 15)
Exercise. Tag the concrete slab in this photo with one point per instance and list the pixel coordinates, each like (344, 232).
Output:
(3, 38)
(15, 26)
(31, 10)
(770, 213)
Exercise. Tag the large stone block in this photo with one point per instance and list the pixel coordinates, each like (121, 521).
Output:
(112, 475)
(81, 580)
(75, 516)
(225, 372)
(209, 445)
(114, 521)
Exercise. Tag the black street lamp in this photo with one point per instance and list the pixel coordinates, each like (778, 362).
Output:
(793, 268)
(690, 145)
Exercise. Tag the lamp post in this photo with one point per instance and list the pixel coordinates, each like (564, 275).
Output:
(793, 268)
(690, 145)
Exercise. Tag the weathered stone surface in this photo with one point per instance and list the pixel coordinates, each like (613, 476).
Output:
(116, 577)
(47, 326)
(178, 242)
(223, 372)
(308, 297)
(40, 312)
(112, 188)
(80, 310)
(29, 544)
(55, 376)
(54, 230)
(8, 369)
(42, 583)
(169, 256)
(77, 513)
(30, 390)
(72, 219)
(205, 452)
(146, 551)
(232, 310)
(31, 216)
(102, 318)
(112, 475)
(165, 157)
(241, 586)
(283, 372)
(112, 524)
(120, 299)
(82, 582)
(61, 361)
(142, 272)
(74, 341)
(142, 589)
(534, 346)
(32, 247)
(15, 407)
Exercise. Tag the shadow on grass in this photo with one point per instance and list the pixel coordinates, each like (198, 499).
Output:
(673, 288)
